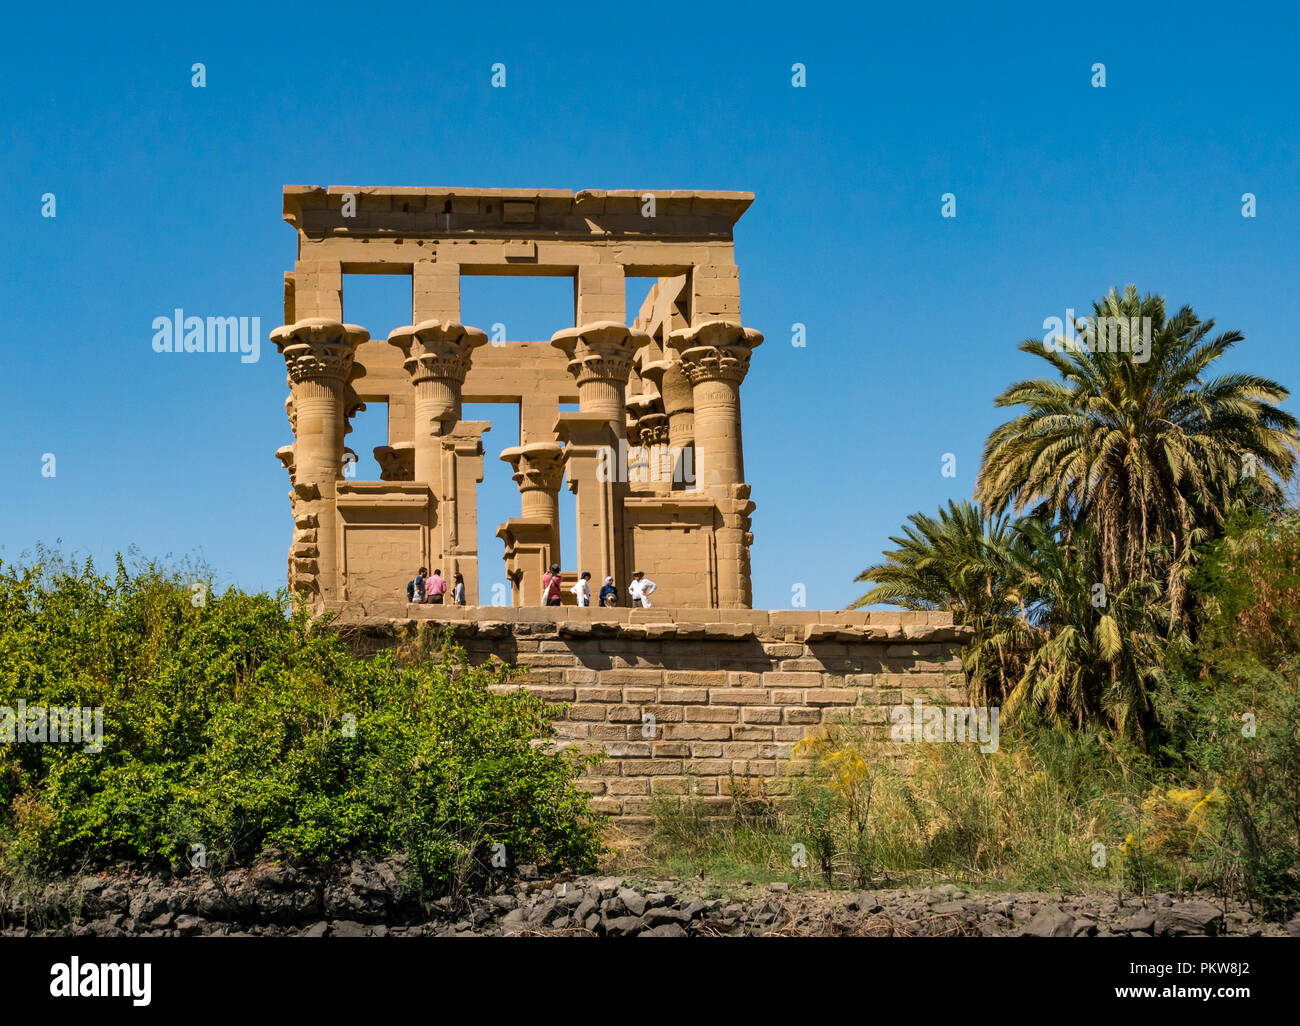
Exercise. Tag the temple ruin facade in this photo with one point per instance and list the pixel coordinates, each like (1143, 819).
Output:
(653, 453)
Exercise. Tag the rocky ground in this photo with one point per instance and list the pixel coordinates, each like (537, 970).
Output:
(368, 899)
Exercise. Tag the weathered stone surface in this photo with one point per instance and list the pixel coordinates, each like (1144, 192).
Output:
(665, 930)
(1143, 920)
(623, 926)
(1050, 922)
(1188, 919)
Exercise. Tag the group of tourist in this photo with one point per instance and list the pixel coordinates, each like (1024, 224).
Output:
(433, 589)
(639, 589)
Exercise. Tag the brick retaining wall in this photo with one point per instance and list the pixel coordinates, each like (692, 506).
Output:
(731, 691)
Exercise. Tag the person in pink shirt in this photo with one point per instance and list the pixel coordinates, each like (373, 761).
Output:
(435, 588)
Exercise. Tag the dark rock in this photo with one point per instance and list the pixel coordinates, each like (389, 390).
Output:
(1188, 919)
(572, 897)
(1050, 922)
(623, 926)
(660, 916)
(666, 930)
(543, 912)
(1144, 920)
(148, 905)
(632, 901)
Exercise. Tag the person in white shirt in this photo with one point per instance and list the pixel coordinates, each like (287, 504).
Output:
(582, 590)
(640, 588)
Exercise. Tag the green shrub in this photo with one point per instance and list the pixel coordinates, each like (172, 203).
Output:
(1232, 711)
(231, 723)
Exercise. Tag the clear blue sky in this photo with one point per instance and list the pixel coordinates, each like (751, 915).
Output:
(170, 196)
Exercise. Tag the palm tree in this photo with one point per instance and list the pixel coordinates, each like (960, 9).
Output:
(1150, 453)
(968, 565)
(1090, 653)
(1048, 637)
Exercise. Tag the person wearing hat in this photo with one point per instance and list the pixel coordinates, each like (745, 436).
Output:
(551, 585)
(640, 588)
(609, 594)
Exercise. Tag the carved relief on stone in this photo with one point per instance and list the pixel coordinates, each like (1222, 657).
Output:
(396, 462)
(602, 351)
(715, 351)
(437, 350)
(318, 348)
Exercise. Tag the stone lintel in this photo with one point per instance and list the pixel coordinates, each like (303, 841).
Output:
(511, 213)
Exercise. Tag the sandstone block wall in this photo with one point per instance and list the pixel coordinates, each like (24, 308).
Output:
(730, 691)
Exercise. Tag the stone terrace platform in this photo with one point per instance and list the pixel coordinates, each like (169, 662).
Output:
(690, 701)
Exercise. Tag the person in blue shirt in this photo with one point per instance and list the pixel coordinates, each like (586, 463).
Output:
(609, 594)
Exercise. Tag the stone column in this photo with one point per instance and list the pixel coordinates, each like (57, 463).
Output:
(715, 359)
(318, 354)
(590, 461)
(533, 538)
(600, 360)
(437, 358)
(679, 405)
(649, 432)
(462, 451)
(539, 469)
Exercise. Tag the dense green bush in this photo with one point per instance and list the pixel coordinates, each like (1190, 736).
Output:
(231, 723)
(1232, 711)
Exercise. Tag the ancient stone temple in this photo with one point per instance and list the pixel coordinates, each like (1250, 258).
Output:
(653, 453)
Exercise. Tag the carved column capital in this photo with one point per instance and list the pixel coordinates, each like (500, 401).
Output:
(715, 351)
(438, 355)
(437, 350)
(396, 462)
(318, 349)
(602, 351)
(537, 467)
